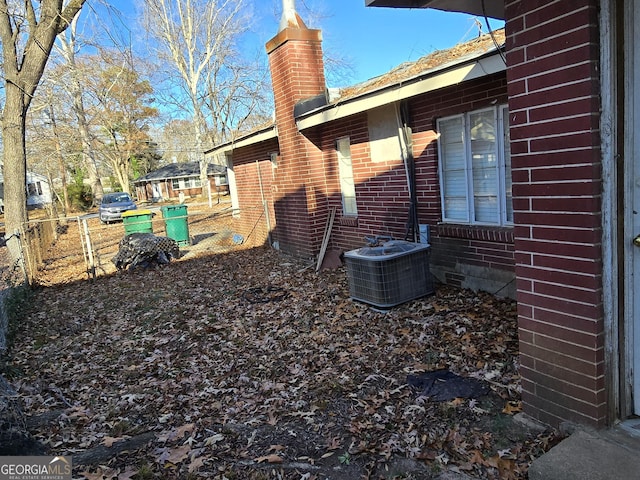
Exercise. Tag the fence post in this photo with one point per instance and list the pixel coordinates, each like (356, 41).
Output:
(22, 238)
(265, 206)
(92, 267)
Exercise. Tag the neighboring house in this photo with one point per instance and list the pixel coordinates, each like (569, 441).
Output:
(526, 173)
(39, 191)
(174, 179)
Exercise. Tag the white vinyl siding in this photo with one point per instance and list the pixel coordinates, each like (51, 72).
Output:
(384, 132)
(347, 183)
(475, 167)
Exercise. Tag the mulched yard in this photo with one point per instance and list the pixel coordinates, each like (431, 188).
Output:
(249, 365)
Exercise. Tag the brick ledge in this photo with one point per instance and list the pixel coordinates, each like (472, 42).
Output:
(349, 221)
(475, 232)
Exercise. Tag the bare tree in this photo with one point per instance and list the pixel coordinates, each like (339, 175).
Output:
(51, 136)
(175, 140)
(67, 45)
(199, 40)
(28, 30)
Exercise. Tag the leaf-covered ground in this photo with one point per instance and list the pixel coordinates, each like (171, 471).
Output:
(249, 365)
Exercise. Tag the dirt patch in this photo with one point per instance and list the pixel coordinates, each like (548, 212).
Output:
(305, 384)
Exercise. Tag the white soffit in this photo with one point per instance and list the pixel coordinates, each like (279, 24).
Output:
(427, 82)
(251, 139)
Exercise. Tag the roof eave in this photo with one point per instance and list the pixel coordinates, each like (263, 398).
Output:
(489, 8)
(445, 76)
(251, 139)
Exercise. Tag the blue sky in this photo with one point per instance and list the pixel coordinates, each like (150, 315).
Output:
(375, 40)
(371, 40)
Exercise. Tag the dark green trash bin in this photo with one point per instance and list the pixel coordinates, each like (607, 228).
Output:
(176, 224)
(137, 221)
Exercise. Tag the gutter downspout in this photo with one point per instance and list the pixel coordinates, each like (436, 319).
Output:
(412, 232)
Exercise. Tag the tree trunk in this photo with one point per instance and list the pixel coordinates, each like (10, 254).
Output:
(62, 171)
(67, 47)
(89, 162)
(22, 72)
(15, 192)
(88, 151)
(200, 126)
(121, 169)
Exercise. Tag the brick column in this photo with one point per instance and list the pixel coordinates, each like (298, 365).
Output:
(553, 85)
(297, 73)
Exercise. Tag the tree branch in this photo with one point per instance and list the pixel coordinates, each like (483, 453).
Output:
(69, 13)
(9, 38)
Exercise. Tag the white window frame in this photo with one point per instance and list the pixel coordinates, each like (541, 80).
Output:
(34, 189)
(184, 183)
(504, 210)
(347, 180)
(222, 180)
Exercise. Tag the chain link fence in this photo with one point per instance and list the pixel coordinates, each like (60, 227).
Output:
(61, 250)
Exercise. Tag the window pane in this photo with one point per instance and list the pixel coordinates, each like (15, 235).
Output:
(484, 166)
(482, 126)
(453, 166)
(349, 205)
(486, 208)
(347, 183)
(454, 184)
(454, 155)
(455, 208)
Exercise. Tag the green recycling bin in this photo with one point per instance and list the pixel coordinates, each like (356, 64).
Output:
(137, 221)
(176, 224)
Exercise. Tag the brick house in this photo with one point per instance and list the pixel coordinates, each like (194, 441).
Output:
(523, 172)
(299, 164)
(173, 179)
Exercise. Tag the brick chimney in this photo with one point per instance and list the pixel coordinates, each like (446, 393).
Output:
(297, 73)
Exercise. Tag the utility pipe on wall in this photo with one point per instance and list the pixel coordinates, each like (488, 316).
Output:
(289, 17)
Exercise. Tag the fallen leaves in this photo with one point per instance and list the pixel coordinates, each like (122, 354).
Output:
(512, 407)
(109, 441)
(273, 458)
(229, 386)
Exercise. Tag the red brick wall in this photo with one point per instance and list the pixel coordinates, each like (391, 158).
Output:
(383, 199)
(252, 218)
(553, 87)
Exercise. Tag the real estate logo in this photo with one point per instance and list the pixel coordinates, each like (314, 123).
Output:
(35, 468)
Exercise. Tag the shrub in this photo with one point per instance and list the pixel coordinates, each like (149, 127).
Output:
(80, 196)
